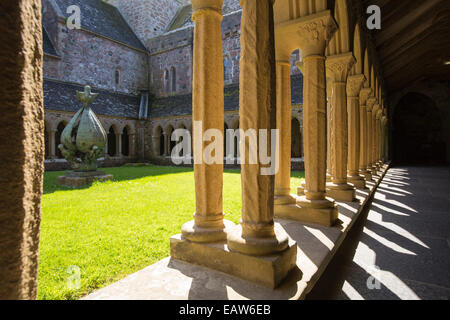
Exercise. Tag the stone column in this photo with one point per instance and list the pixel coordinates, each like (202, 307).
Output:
(374, 139)
(363, 157)
(208, 111)
(118, 144)
(166, 144)
(378, 151)
(51, 143)
(301, 188)
(384, 138)
(354, 84)
(338, 67)
(22, 145)
(257, 234)
(370, 102)
(283, 119)
(314, 32)
(329, 124)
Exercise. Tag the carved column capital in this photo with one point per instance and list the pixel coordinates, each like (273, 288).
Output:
(370, 102)
(364, 95)
(339, 65)
(354, 84)
(314, 31)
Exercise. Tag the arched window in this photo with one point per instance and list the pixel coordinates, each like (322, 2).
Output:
(226, 69)
(125, 142)
(59, 131)
(173, 72)
(166, 81)
(171, 143)
(111, 142)
(117, 78)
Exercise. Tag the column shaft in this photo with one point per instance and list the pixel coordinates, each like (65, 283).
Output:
(283, 119)
(51, 142)
(353, 137)
(257, 234)
(208, 113)
(314, 126)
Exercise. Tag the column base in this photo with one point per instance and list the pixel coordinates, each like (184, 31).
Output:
(268, 271)
(329, 177)
(357, 181)
(301, 189)
(196, 234)
(258, 246)
(366, 174)
(341, 192)
(322, 212)
(286, 199)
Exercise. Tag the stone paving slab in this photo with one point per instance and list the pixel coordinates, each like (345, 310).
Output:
(170, 279)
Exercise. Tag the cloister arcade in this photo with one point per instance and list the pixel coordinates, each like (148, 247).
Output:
(355, 84)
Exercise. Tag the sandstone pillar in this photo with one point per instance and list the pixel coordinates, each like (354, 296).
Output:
(379, 142)
(329, 87)
(283, 120)
(166, 144)
(373, 150)
(370, 103)
(363, 157)
(338, 67)
(354, 84)
(314, 32)
(22, 132)
(257, 234)
(208, 110)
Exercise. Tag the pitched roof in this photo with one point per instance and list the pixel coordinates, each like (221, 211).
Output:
(181, 105)
(103, 18)
(62, 97)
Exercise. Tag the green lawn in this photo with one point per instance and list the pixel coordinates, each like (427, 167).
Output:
(113, 229)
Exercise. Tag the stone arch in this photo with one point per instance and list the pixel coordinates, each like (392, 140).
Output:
(111, 134)
(59, 129)
(357, 52)
(418, 131)
(296, 139)
(340, 42)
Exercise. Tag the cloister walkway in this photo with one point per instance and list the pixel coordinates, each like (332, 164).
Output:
(399, 248)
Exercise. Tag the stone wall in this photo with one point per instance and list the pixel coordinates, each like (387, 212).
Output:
(90, 59)
(172, 50)
(148, 18)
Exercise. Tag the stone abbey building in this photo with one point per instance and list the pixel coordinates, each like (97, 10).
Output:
(138, 56)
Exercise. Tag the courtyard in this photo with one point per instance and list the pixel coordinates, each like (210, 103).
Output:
(113, 229)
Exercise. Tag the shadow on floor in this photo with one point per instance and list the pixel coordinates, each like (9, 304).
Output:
(399, 248)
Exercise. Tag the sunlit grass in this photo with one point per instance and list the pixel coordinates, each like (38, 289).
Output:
(112, 229)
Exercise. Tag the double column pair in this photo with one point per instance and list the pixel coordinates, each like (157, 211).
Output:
(257, 233)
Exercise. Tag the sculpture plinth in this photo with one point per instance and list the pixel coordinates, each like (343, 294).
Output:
(82, 143)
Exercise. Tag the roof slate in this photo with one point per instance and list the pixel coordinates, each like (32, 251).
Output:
(62, 97)
(181, 105)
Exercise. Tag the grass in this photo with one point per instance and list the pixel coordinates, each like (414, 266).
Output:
(112, 229)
